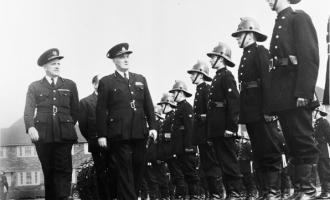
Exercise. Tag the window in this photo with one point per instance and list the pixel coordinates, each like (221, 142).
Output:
(26, 151)
(3, 152)
(86, 149)
(28, 178)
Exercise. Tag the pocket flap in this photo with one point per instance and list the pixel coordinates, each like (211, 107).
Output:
(65, 118)
(40, 120)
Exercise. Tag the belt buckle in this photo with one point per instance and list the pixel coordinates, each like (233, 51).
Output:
(271, 64)
(133, 105)
(54, 110)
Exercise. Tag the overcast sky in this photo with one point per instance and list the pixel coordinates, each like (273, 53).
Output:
(167, 37)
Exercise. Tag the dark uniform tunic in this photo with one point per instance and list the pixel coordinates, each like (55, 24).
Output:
(322, 136)
(53, 111)
(123, 109)
(87, 126)
(222, 114)
(254, 77)
(208, 161)
(295, 62)
(185, 151)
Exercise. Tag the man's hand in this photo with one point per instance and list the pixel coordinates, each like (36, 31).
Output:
(301, 102)
(33, 133)
(153, 134)
(102, 142)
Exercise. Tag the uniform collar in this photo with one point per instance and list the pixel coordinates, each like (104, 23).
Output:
(201, 85)
(250, 47)
(219, 71)
(122, 74)
(284, 12)
(49, 79)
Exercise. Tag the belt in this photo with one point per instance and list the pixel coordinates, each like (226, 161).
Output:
(280, 62)
(53, 109)
(218, 104)
(251, 84)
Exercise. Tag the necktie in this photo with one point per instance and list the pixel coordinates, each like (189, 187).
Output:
(53, 83)
(125, 76)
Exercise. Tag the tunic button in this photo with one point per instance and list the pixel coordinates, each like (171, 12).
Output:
(241, 73)
(283, 17)
(54, 90)
(279, 27)
(132, 92)
(275, 57)
(54, 98)
(277, 36)
(276, 47)
(242, 65)
(244, 58)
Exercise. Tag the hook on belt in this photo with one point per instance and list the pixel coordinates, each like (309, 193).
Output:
(133, 105)
(54, 110)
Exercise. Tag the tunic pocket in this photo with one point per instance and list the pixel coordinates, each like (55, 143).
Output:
(64, 97)
(115, 127)
(68, 131)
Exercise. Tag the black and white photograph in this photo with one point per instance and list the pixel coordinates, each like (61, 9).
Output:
(165, 100)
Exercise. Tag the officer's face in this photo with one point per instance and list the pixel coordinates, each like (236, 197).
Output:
(122, 62)
(219, 63)
(52, 68)
(193, 78)
(271, 3)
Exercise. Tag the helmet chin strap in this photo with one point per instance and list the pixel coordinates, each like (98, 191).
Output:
(275, 4)
(176, 96)
(216, 61)
(195, 79)
(243, 41)
(164, 108)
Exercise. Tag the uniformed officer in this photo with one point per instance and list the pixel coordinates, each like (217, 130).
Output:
(222, 118)
(87, 126)
(253, 77)
(209, 164)
(51, 111)
(165, 142)
(123, 108)
(154, 172)
(322, 136)
(182, 129)
(294, 69)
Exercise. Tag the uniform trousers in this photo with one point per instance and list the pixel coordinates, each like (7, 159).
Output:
(298, 133)
(128, 158)
(56, 163)
(104, 188)
(225, 150)
(323, 168)
(210, 167)
(266, 152)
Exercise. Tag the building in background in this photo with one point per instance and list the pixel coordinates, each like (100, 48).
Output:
(19, 161)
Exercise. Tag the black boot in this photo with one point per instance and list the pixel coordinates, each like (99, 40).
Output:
(262, 184)
(233, 189)
(307, 188)
(285, 194)
(325, 192)
(215, 187)
(274, 182)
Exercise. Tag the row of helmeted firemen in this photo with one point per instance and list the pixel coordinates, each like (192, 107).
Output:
(194, 151)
